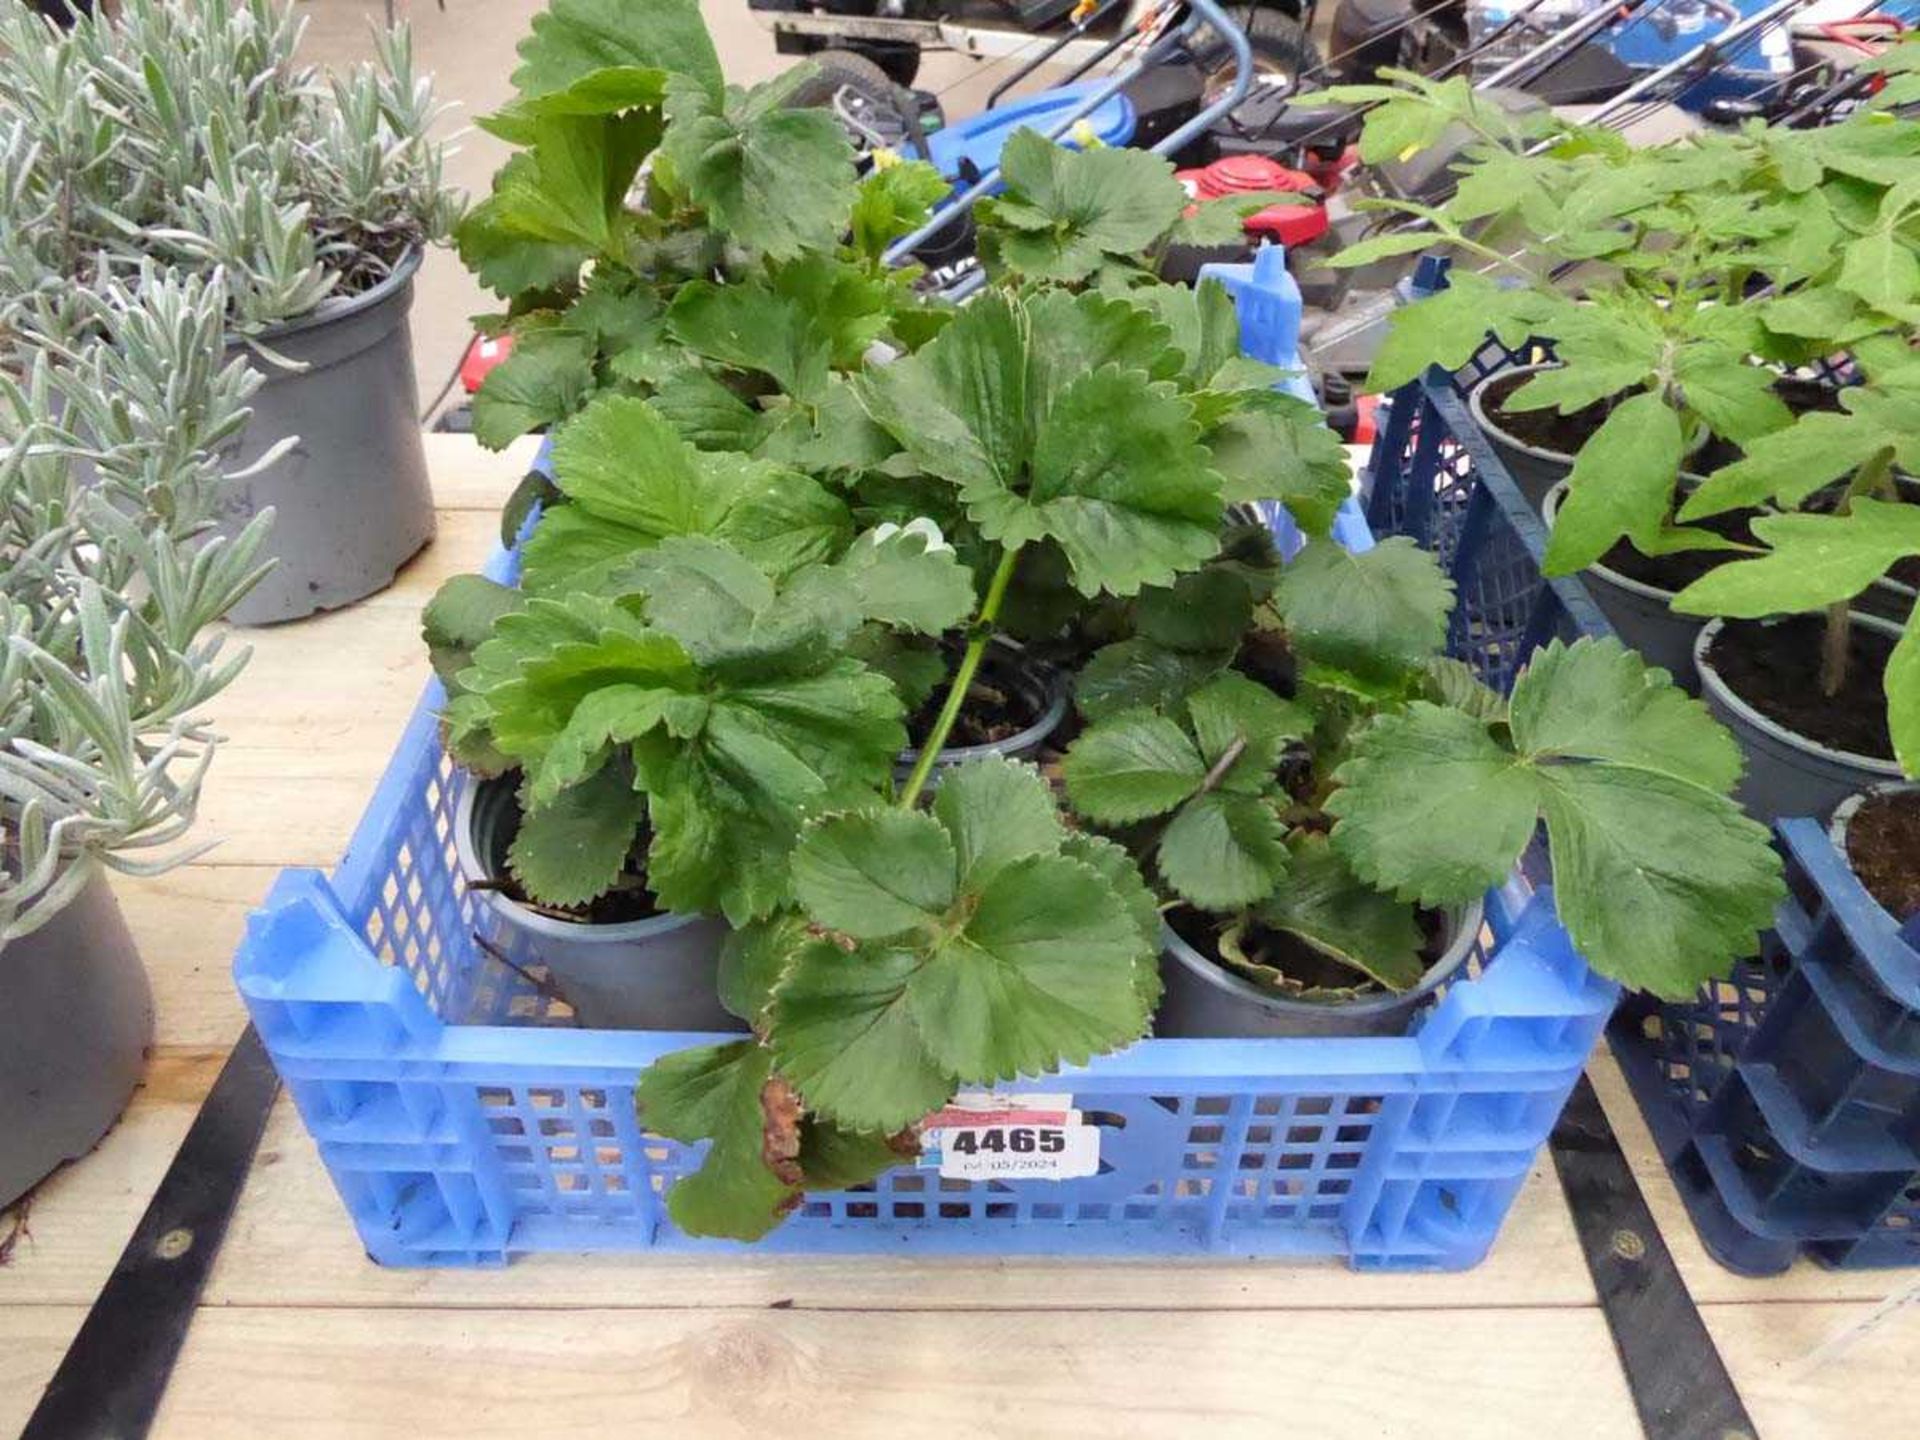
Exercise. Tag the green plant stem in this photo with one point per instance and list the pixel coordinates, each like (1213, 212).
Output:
(962, 679)
(1873, 475)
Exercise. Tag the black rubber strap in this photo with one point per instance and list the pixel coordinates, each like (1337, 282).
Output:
(110, 1382)
(1679, 1384)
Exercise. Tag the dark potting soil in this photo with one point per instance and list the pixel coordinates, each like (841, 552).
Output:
(1294, 957)
(1542, 429)
(1675, 572)
(1883, 846)
(1775, 667)
(1000, 702)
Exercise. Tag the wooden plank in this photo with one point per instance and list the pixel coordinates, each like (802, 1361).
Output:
(510, 1373)
(468, 477)
(32, 1340)
(1863, 1390)
(79, 1219)
(187, 924)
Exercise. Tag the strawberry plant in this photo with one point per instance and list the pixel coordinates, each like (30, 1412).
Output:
(790, 511)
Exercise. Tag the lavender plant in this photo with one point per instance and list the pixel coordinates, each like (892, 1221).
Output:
(109, 576)
(184, 131)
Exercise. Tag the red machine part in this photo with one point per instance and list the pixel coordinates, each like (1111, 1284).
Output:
(1239, 174)
(482, 355)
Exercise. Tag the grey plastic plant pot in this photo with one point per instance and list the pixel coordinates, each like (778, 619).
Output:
(1202, 999)
(1640, 613)
(76, 1018)
(351, 500)
(1787, 774)
(1041, 687)
(1535, 469)
(1843, 814)
(661, 973)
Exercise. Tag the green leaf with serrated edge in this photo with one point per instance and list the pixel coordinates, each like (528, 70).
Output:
(1204, 610)
(1455, 683)
(707, 415)
(1072, 207)
(612, 716)
(894, 202)
(748, 326)
(1621, 484)
(1034, 964)
(1448, 328)
(505, 259)
(1340, 915)
(1373, 612)
(1815, 312)
(1140, 673)
(1223, 851)
(1043, 973)
(1204, 326)
(1430, 807)
(459, 618)
(774, 180)
(1233, 710)
(842, 1033)
(1881, 268)
(913, 666)
(874, 874)
(833, 1158)
(996, 811)
(1106, 463)
(1902, 686)
(1381, 247)
(752, 959)
(1659, 879)
(1815, 561)
(574, 847)
(1787, 465)
(569, 187)
(574, 39)
(1119, 480)
(900, 582)
(1116, 867)
(546, 377)
(1069, 335)
(1131, 766)
(732, 619)
(715, 1091)
(633, 481)
(834, 435)
(1602, 702)
(1736, 399)
(1274, 446)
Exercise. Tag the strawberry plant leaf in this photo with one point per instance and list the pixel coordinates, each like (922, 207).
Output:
(1344, 918)
(1132, 766)
(752, 959)
(574, 846)
(893, 201)
(719, 1092)
(573, 40)
(1012, 957)
(1063, 211)
(542, 381)
(1274, 446)
(771, 179)
(902, 581)
(1372, 612)
(1223, 851)
(1141, 673)
(1659, 878)
(632, 481)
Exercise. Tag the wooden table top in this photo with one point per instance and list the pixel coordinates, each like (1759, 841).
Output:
(299, 1334)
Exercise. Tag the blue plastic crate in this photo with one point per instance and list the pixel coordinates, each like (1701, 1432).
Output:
(1786, 1101)
(464, 1120)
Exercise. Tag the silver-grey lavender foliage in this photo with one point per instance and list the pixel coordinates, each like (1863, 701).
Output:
(184, 131)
